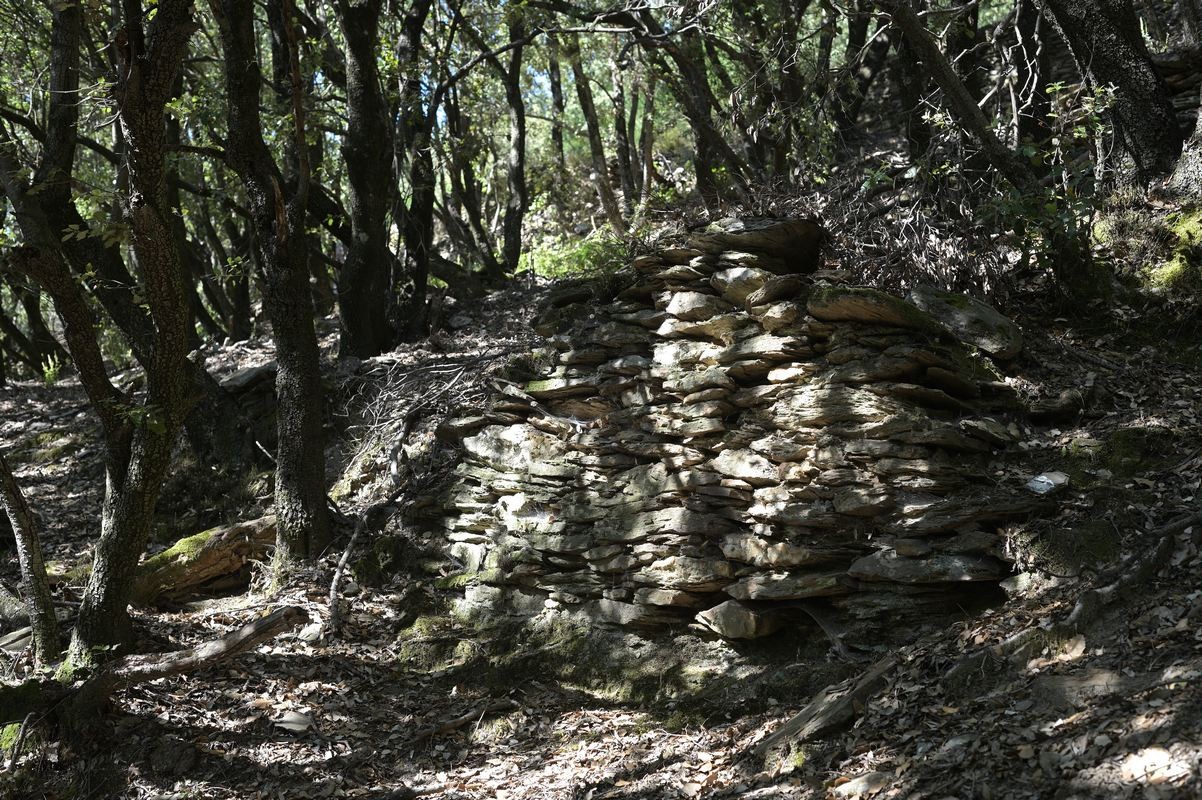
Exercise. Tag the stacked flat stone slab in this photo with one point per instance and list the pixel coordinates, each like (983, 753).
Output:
(730, 436)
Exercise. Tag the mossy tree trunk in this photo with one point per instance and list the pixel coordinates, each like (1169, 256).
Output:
(138, 440)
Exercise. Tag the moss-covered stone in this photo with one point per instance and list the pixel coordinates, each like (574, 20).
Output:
(1130, 451)
(386, 557)
(71, 574)
(358, 473)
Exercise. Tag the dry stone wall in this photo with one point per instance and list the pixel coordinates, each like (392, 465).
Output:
(721, 434)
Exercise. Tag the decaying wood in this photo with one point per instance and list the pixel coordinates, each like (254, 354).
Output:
(140, 668)
(1087, 609)
(197, 560)
(73, 702)
(464, 719)
(834, 707)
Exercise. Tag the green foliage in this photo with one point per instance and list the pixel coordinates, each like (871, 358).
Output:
(1161, 253)
(52, 368)
(148, 416)
(599, 253)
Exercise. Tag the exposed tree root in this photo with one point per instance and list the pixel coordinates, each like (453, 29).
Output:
(463, 719)
(833, 708)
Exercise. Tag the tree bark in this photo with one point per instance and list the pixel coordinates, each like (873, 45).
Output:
(367, 152)
(47, 644)
(910, 72)
(584, 95)
(555, 78)
(647, 141)
(622, 140)
(409, 312)
(279, 225)
(1105, 40)
(149, 55)
(518, 199)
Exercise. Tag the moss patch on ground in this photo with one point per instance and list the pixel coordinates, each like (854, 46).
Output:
(1124, 454)
(1181, 270)
(45, 448)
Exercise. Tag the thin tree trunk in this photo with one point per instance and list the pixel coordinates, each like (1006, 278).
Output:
(647, 141)
(47, 643)
(279, 225)
(555, 78)
(409, 312)
(584, 95)
(367, 152)
(621, 141)
(1031, 70)
(47, 347)
(518, 199)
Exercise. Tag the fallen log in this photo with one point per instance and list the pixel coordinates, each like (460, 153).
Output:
(196, 562)
(74, 702)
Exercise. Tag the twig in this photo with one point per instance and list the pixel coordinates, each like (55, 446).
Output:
(460, 721)
(15, 753)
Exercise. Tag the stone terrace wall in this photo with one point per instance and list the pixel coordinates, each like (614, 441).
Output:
(731, 435)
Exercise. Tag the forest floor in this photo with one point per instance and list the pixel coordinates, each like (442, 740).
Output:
(1114, 712)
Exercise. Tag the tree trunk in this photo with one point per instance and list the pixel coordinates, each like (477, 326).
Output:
(1069, 256)
(1031, 70)
(555, 78)
(647, 141)
(866, 67)
(518, 199)
(367, 152)
(409, 312)
(149, 57)
(47, 644)
(584, 94)
(910, 72)
(1105, 40)
(621, 140)
(40, 337)
(195, 562)
(279, 225)
(19, 347)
